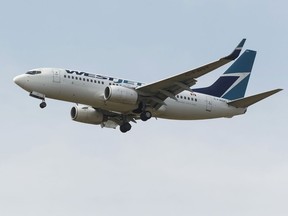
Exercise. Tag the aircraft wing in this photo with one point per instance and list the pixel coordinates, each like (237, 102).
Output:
(155, 93)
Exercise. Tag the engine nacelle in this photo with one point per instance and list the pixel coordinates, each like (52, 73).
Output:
(120, 94)
(86, 114)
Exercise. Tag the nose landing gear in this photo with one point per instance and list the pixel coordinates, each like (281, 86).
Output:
(43, 104)
(39, 96)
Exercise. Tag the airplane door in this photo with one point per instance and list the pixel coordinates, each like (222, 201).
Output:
(208, 104)
(56, 76)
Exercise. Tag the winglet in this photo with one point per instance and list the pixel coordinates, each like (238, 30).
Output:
(236, 51)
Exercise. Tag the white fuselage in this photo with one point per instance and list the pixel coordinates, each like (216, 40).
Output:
(88, 89)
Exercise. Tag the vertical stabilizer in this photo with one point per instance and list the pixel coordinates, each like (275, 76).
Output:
(233, 83)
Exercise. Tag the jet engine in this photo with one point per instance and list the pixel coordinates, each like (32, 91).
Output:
(86, 114)
(120, 94)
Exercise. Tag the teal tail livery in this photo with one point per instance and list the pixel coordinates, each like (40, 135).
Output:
(233, 83)
(111, 102)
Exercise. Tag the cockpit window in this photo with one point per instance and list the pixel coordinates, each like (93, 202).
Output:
(33, 72)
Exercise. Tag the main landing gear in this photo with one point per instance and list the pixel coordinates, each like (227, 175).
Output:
(125, 127)
(146, 115)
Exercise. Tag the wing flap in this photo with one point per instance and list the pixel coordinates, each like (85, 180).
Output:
(248, 101)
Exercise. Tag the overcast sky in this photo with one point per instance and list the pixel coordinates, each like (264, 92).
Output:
(50, 165)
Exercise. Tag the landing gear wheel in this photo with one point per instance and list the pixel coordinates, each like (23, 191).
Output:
(145, 115)
(125, 127)
(43, 105)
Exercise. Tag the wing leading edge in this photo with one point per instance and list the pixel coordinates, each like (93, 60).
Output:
(155, 93)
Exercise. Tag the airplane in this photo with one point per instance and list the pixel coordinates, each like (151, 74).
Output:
(111, 102)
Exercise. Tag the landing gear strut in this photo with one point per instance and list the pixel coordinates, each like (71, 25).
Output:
(125, 127)
(144, 115)
(39, 96)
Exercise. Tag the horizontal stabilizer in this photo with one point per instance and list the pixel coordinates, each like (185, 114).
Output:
(248, 101)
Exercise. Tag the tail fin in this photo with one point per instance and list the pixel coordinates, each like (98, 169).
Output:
(233, 83)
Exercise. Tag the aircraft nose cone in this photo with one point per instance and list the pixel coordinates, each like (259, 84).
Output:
(16, 80)
(20, 81)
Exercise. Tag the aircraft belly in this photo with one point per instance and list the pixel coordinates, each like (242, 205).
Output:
(119, 107)
(196, 111)
(177, 110)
